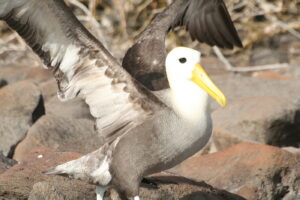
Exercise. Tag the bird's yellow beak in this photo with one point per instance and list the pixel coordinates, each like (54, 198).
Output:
(200, 77)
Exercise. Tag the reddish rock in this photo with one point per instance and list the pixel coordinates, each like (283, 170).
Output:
(272, 75)
(254, 171)
(167, 188)
(17, 182)
(25, 181)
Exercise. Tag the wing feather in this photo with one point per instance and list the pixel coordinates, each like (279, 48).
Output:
(214, 33)
(195, 15)
(81, 65)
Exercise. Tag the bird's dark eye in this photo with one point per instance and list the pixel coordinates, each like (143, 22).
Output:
(182, 60)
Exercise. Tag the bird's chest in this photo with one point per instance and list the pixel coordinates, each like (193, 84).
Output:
(183, 140)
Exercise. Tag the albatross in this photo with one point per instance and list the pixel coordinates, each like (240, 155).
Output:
(206, 21)
(144, 132)
(177, 125)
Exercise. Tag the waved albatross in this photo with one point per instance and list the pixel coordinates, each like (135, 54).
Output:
(144, 132)
(207, 21)
(177, 125)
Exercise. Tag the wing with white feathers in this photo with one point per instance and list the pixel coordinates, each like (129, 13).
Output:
(49, 28)
(81, 65)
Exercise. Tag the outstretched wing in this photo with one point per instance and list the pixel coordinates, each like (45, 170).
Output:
(81, 65)
(208, 21)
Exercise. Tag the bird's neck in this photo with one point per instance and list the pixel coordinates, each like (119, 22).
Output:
(189, 101)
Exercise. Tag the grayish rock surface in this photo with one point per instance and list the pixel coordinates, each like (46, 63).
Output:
(61, 133)
(267, 120)
(21, 104)
(254, 171)
(237, 86)
(292, 150)
(49, 90)
(5, 163)
(75, 108)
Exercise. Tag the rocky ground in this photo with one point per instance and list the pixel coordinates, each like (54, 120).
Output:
(254, 152)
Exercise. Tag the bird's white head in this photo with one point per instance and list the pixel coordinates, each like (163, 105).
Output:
(184, 71)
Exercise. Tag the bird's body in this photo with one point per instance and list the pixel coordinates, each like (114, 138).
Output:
(144, 132)
(178, 129)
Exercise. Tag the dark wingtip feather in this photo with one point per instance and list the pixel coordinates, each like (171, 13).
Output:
(218, 38)
(194, 16)
(51, 171)
(179, 19)
(54, 171)
(224, 14)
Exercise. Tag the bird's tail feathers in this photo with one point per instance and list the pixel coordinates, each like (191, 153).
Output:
(93, 167)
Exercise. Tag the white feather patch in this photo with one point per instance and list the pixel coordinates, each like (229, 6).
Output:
(70, 58)
(102, 175)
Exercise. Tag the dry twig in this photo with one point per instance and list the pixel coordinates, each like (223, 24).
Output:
(229, 67)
